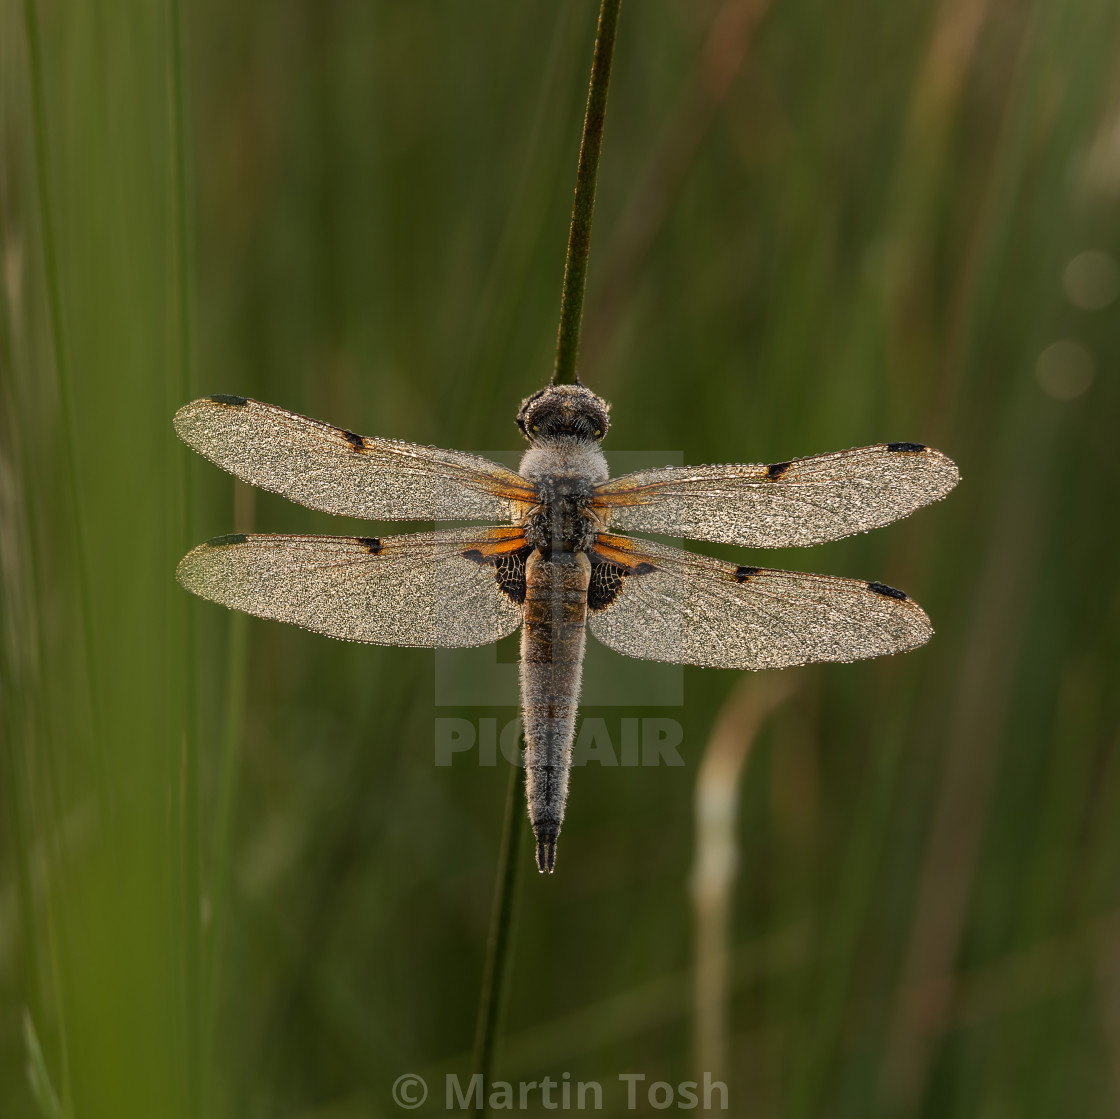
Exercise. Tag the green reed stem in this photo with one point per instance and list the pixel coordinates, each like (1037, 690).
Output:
(583, 208)
(59, 341)
(196, 1021)
(229, 765)
(495, 976)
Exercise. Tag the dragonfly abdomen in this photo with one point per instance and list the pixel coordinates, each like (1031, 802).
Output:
(552, 645)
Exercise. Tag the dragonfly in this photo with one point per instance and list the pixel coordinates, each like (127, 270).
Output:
(556, 558)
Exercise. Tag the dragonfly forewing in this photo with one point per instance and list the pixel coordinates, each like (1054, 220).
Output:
(783, 504)
(338, 471)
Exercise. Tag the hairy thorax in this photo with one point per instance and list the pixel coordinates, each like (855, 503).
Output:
(565, 474)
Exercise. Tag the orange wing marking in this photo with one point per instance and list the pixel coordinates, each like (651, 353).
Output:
(622, 552)
(503, 540)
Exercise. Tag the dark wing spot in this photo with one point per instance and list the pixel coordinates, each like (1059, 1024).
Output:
(229, 538)
(887, 592)
(606, 582)
(742, 574)
(776, 470)
(355, 441)
(906, 446)
(509, 570)
(373, 545)
(223, 398)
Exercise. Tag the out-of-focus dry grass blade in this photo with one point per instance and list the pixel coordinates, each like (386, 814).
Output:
(715, 860)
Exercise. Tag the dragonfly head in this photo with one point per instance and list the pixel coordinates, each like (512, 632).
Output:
(563, 413)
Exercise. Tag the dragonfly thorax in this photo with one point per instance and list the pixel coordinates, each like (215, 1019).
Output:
(562, 522)
(565, 474)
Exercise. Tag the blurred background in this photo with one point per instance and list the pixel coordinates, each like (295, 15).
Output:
(233, 881)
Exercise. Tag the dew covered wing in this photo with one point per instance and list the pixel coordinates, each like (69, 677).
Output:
(338, 471)
(688, 609)
(783, 504)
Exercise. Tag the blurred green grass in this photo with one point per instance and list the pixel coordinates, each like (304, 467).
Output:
(233, 881)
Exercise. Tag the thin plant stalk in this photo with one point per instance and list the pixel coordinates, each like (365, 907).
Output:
(583, 207)
(196, 1049)
(60, 344)
(221, 867)
(57, 331)
(495, 977)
